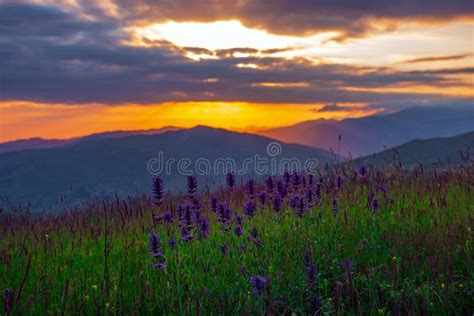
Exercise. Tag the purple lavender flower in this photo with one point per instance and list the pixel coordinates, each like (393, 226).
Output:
(250, 208)
(300, 206)
(374, 204)
(155, 245)
(311, 270)
(166, 217)
(294, 199)
(192, 186)
(224, 249)
(296, 180)
(180, 211)
(276, 202)
(315, 305)
(158, 191)
(224, 213)
(171, 242)
(253, 237)
(159, 266)
(281, 188)
(239, 231)
(347, 265)
(250, 188)
(338, 182)
(230, 180)
(239, 219)
(287, 177)
(213, 202)
(258, 283)
(269, 184)
(9, 297)
(310, 180)
(204, 227)
(263, 197)
(186, 235)
(335, 205)
(309, 196)
(188, 216)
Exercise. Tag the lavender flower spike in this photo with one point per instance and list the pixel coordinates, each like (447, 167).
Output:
(258, 283)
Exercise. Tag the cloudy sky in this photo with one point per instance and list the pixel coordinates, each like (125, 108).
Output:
(73, 67)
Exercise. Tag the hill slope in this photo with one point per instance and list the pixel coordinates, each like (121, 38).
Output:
(429, 152)
(103, 167)
(41, 143)
(368, 135)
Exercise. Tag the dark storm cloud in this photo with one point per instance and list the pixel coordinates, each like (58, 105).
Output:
(51, 55)
(300, 17)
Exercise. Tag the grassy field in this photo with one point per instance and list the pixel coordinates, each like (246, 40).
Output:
(358, 242)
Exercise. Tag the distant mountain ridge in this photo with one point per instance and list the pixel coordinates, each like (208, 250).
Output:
(372, 134)
(96, 168)
(41, 143)
(433, 152)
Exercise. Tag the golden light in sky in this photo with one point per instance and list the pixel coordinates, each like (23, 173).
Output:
(71, 67)
(65, 120)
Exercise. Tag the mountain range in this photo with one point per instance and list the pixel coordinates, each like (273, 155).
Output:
(97, 167)
(372, 134)
(433, 152)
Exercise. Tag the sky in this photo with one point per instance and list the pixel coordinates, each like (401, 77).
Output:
(75, 67)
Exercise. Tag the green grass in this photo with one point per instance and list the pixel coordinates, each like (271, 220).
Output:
(413, 256)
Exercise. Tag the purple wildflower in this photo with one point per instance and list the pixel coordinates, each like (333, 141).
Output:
(224, 213)
(224, 249)
(335, 205)
(159, 266)
(171, 242)
(347, 265)
(239, 219)
(250, 188)
(239, 231)
(186, 235)
(281, 188)
(296, 180)
(309, 195)
(310, 180)
(188, 216)
(263, 197)
(192, 185)
(269, 184)
(155, 245)
(158, 191)
(213, 202)
(300, 206)
(338, 182)
(287, 177)
(258, 283)
(253, 237)
(315, 306)
(204, 227)
(374, 204)
(276, 202)
(250, 208)
(294, 199)
(311, 270)
(166, 217)
(230, 180)
(8, 297)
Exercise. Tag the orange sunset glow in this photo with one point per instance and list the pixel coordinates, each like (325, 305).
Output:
(135, 67)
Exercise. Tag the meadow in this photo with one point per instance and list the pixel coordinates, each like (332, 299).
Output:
(355, 241)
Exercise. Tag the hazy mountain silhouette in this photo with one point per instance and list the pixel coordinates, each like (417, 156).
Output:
(428, 152)
(368, 135)
(41, 143)
(98, 167)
